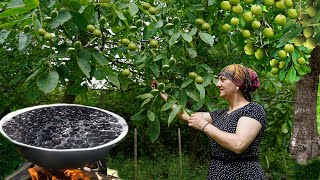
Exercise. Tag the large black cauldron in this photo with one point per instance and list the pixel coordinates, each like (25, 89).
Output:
(63, 136)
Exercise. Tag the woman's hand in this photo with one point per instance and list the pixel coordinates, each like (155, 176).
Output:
(197, 121)
(154, 85)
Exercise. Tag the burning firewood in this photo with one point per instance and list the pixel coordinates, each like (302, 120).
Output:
(34, 175)
(77, 174)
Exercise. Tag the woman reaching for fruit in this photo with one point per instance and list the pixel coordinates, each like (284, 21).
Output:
(235, 133)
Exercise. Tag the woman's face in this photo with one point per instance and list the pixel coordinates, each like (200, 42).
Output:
(227, 88)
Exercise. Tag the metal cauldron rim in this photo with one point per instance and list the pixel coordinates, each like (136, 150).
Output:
(113, 142)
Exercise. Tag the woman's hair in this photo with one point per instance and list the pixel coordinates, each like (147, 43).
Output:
(245, 78)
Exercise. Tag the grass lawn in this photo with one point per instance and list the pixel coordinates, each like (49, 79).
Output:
(166, 167)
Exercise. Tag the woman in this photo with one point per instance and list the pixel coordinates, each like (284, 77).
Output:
(235, 133)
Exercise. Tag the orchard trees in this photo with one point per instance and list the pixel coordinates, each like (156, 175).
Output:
(286, 35)
(181, 44)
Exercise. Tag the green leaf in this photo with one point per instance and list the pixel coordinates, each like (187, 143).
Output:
(15, 81)
(154, 130)
(266, 158)
(206, 67)
(289, 25)
(77, 89)
(146, 101)
(151, 115)
(35, 21)
(100, 58)
(207, 38)
(33, 75)
(141, 60)
(289, 36)
(186, 37)
(168, 105)
(299, 70)
(120, 15)
(62, 18)
(83, 62)
(34, 94)
(186, 83)
(23, 41)
(124, 83)
(294, 56)
(48, 82)
(10, 24)
(297, 78)
(99, 74)
(209, 104)
(264, 9)
(114, 80)
(208, 79)
(195, 107)
(193, 31)
(192, 53)
(174, 38)
(160, 56)
(159, 24)
(211, 2)
(145, 96)
(139, 116)
(79, 20)
(133, 9)
(173, 114)
(29, 5)
(282, 76)
(215, 80)
(276, 83)
(154, 68)
(291, 75)
(201, 90)
(112, 77)
(89, 11)
(4, 35)
(15, 4)
(193, 95)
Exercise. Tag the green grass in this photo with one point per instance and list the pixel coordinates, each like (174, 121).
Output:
(9, 158)
(165, 167)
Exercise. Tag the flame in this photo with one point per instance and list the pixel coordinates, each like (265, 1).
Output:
(34, 175)
(39, 173)
(36, 171)
(77, 174)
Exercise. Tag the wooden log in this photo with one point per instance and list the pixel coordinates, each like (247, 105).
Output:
(135, 155)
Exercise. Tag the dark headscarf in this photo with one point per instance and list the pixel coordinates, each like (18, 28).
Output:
(245, 78)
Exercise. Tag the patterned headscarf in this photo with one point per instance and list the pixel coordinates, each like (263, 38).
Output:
(241, 76)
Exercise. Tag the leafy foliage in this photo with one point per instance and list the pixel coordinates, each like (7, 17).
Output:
(10, 159)
(51, 65)
(101, 26)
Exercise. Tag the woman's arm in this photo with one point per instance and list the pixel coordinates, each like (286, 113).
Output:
(182, 115)
(247, 130)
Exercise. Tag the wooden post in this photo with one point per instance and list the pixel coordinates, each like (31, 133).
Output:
(135, 155)
(180, 153)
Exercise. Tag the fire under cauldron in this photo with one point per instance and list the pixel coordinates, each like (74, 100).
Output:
(62, 136)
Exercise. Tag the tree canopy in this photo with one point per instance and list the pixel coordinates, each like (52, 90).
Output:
(181, 44)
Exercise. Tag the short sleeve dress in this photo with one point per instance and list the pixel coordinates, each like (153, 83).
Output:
(227, 165)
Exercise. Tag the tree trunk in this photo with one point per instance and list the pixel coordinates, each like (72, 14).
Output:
(68, 98)
(304, 143)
